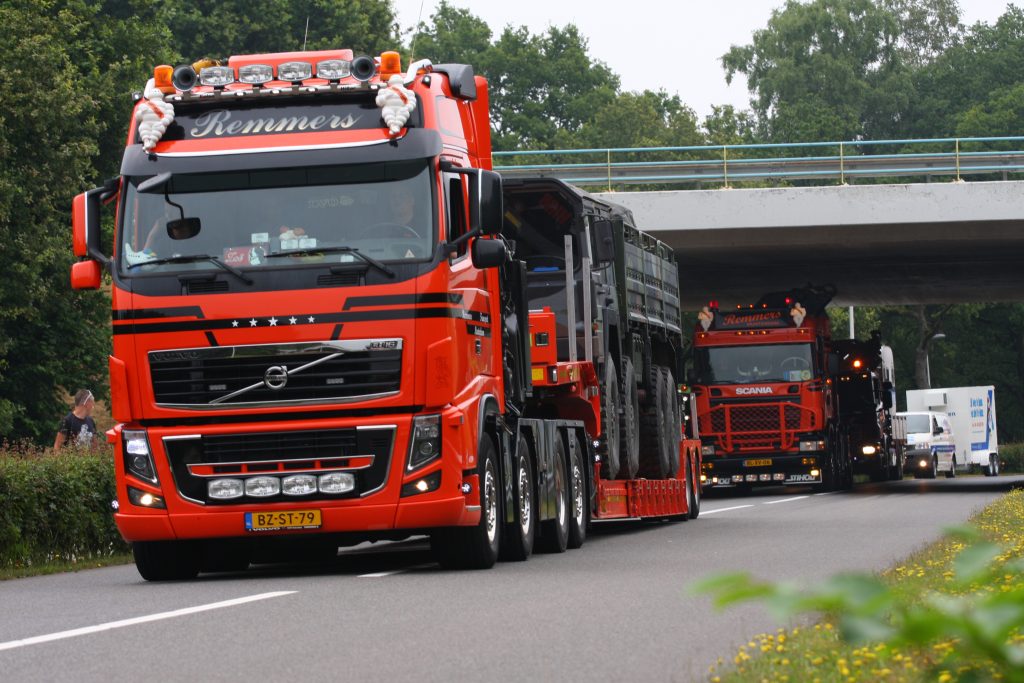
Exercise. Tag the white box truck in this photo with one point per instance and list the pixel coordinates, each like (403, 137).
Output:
(972, 416)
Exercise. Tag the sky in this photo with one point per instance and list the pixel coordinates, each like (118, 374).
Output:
(654, 44)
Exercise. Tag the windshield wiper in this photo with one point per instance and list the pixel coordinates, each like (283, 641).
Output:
(336, 250)
(197, 257)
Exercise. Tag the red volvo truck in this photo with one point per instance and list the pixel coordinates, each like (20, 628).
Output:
(330, 325)
(766, 402)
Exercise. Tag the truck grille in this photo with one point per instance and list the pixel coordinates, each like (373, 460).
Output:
(273, 374)
(771, 426)
(364, 451)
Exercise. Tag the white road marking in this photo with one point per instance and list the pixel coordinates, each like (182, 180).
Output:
(377, 575)
(735, 507)
(824, 493)
(785, 500)
(86, 630)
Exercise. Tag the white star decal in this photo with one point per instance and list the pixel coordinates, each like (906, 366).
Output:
(252, 323)
(234, 323)
(293, 320)
(273, 322)
(312, 319)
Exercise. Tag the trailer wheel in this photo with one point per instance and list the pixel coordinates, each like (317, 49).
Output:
(554, 535)
(630, 430)
(517, 540)
(578, 498)
(610, 402)
(167, 560)
(673, 422)
(475, 547)
(692, 487)
(655, 458)
(952, 469)
(828, 468)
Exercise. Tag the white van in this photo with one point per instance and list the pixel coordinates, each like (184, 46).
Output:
(972, 414)
(931, 446)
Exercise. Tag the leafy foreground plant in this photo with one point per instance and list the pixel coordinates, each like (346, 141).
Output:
(952, 612)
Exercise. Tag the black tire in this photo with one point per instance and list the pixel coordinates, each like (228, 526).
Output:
(228, 555)
(673, 422)
(993, 464)
(579, 498)
(828, 467)
(475, 547)
(610, 405)
(518, 537)
(692, 488)
(168, 560)
(654, 455)
(898, 473)
(554, 533)
(930, 473)
(952, 469)
(845, 482)
(629, 432)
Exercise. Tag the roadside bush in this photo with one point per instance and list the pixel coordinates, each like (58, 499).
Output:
(56, 507)
(1012, 457)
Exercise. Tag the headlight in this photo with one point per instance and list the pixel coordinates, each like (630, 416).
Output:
(255, 73)
(709, 449)
(817, 445)
(262, 487)
(868, 450)
(337, 482)
(138, 460)
(333, 69)
(298, 485)
(225, 489)
(425, 444)
(217, 76)
(294, 71)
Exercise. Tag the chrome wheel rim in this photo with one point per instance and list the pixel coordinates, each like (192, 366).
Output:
(490, 503)
(577, 492)
(525, 499)
(560, 491)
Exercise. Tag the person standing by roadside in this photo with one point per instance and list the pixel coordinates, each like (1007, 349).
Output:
(77, 428)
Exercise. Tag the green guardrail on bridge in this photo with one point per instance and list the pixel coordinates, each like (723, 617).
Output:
(725, 164)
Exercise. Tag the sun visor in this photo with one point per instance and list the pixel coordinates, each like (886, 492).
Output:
(417, 143)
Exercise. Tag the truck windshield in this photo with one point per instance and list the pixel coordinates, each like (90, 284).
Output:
(760, 363)
(385, 212)
(919, 424)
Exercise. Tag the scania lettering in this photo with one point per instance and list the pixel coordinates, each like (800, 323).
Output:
(331, 324)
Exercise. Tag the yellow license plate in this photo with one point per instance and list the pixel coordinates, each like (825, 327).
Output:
(758, 463)
(282, 519)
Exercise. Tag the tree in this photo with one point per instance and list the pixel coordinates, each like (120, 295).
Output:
(219, 28)
(927, 28)
(826, 69)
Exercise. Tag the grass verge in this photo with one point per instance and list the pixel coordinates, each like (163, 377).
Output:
(817, 654)
(58, 566)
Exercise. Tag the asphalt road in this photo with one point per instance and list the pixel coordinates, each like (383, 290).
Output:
(617, 609)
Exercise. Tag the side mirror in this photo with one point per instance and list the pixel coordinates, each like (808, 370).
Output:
(489, 253)
(888, 395)
(85, 275)
(604, 242)
(486, 210)
(85, 224)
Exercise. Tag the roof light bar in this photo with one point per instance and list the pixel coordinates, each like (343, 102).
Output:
(294, 71)
(333, 69)
(255, 74)
(217, 76)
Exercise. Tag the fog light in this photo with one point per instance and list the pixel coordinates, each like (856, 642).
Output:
(145, 499)
(704, 478)
(815, 473)
(337, 482)
(427, 483)
(217, 76)
(298, 485)
(817, 445)
(294, 71)
(751, 477)
(225, 489)
(923, 463)
(333, 69)
(707, 450)
(737, 478)
(779, 476)
(255, 73)
(868, 450)
(262, 487)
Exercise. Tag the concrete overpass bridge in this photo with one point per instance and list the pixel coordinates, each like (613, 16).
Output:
(905, 243)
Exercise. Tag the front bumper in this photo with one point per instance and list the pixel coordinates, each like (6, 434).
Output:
(392, 503)
(772, 469)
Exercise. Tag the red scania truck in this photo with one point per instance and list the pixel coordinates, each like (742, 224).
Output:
(330, 324)
(766, 402)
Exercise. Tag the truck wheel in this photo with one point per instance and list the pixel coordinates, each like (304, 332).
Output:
(846, 482)
(554, 534)
(992, 469)
(952, 469)
(654, 457)
(931, 472)
(518, 536)
(167, 560)
(578, 498)
(475, 547)
(898, 474)
(629, 450)
(673, 423)
(692, 488)
(610, 422)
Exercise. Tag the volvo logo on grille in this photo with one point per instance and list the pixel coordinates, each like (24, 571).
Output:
(276, 377)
